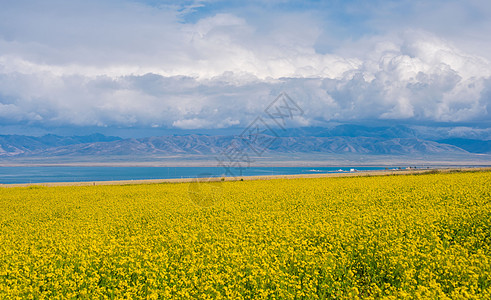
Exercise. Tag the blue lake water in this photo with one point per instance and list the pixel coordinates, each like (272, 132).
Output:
(10, 175)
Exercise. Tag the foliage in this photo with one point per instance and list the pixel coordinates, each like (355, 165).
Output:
(426, 236)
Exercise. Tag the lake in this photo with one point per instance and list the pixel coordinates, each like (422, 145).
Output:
(11, 175)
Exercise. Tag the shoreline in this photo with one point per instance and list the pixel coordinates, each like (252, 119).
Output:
(244, 178)
(259, 164)
(265, 160)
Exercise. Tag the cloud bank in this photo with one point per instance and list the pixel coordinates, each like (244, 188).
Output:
(133, 64)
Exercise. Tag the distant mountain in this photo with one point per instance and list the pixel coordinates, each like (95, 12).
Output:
(351, 130)
(395, 140)
(98, 145)
(470, 145)
(12, 145)
(361, 145)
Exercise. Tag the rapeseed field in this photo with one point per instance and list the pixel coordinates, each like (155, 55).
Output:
(387, 237)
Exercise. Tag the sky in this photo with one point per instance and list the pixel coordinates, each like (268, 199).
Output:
(151, 66)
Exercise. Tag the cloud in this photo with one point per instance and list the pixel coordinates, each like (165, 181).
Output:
(130, 64)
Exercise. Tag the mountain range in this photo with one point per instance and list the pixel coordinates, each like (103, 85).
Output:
(395, 140)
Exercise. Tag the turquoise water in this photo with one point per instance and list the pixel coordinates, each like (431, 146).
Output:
(10, 175)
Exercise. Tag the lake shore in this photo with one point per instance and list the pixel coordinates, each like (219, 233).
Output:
(261, 177)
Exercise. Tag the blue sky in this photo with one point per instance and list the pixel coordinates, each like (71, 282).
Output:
(163, 66)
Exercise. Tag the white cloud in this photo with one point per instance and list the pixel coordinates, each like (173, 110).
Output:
(88, 63)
